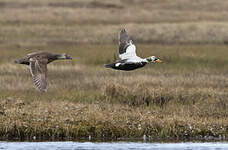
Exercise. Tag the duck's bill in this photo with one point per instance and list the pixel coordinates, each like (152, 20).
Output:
(158, 60)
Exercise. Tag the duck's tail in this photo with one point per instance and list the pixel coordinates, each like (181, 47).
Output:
(108, 65)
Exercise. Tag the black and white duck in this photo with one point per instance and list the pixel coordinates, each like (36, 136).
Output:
(127, 53)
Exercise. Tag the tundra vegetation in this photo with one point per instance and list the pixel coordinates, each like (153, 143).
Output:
(184, 97)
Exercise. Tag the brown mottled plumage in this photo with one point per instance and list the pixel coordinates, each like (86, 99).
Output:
(37, 62)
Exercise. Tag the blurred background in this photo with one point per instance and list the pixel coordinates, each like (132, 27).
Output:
(45, 23)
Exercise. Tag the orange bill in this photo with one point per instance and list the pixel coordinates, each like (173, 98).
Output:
(158, 60)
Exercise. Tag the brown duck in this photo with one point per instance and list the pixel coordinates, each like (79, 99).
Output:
(37, 62)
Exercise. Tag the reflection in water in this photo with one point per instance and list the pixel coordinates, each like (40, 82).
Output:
(110, 146)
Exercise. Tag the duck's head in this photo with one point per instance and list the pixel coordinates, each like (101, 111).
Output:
(63, 56)
(153, 59)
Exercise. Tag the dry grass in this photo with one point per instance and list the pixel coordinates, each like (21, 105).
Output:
(25, 23)
(184, 97)
(64, 119)
(167, 33)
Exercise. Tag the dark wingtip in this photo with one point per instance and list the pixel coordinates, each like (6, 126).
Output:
(107, 66)
(43, 90)
(122, 30)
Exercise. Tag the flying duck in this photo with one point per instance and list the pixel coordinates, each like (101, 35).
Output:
(127, 53)
(37, 62)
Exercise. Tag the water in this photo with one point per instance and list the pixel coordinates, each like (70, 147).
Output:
(111, 146)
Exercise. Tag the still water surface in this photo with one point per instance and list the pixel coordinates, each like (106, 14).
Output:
(111, 146)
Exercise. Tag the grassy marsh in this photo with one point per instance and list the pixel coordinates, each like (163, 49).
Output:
(184, 97)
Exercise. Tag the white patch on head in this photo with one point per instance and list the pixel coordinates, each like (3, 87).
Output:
(153, 58)
(117, 64)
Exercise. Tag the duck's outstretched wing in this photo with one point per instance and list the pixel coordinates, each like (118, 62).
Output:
(127, 49)
(38, 69)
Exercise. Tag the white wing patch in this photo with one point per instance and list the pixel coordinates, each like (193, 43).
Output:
(117, 64)
(130, 52)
